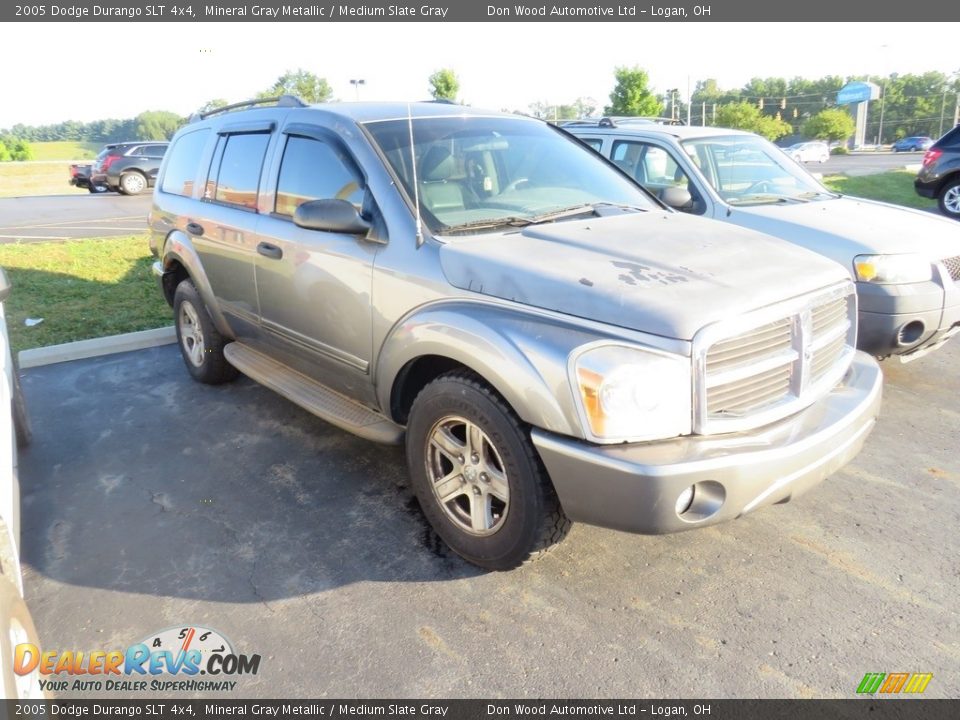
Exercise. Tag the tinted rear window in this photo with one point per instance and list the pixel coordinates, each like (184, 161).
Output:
(239, 177)
(181, 170)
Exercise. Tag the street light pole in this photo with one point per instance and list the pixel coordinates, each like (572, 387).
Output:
(883, 101)
(356, 86)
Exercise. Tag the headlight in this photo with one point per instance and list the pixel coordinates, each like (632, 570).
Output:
(629, 394)
(891, 269)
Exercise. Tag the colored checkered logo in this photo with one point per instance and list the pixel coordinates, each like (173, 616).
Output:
(892, 683)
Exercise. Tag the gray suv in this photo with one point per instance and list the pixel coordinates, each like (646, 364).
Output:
(551, 342)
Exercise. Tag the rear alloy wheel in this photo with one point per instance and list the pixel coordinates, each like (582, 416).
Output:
(132, 183)
(950, 199)
(200, 343)
(477, 476)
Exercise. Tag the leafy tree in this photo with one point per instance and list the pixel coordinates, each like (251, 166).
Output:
(444, 84)
(631, 96)
(746, 116)
(157, 125)
(14, 148)
(212, 105)
(302, 83)
(830, 124)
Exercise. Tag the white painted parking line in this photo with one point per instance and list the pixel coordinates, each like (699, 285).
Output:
(34, 237)
(72, 222)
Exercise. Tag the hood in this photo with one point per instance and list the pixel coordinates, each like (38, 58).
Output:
(663, 273)
(842, 228)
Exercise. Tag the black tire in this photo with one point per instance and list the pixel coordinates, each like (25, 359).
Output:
(97, 189)
(132, 183)
(949, 198)
(21, 419)
(531, 520)
(201, 344)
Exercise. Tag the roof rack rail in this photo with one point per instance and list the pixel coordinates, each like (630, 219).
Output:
(279, 101)
(614, 120)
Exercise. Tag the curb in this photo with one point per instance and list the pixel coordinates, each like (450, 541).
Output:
(96, 347)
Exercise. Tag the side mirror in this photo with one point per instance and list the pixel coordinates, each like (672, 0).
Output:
(677, 197)
(4, 285)
(337, 216)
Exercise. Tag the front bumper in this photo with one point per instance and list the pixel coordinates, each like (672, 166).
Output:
(907, 320)
(634, 487)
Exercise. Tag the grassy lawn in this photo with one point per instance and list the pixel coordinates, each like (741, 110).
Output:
(82, 289)
(895, 186)
(22, 179)
(65, 150)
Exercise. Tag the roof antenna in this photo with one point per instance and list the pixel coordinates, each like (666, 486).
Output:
(416, 185)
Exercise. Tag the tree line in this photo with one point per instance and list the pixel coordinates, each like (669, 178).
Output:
(774, 107)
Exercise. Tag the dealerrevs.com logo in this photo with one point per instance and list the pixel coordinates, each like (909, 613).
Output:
(184, 653)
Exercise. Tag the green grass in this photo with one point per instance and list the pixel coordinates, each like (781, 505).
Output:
(82, 289)
(23, 179)
(65, 150)
(894, 186)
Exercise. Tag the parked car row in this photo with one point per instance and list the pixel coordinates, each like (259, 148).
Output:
(129, 168)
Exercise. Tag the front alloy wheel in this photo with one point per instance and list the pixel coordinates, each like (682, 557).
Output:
(477, 476)
(467, 476)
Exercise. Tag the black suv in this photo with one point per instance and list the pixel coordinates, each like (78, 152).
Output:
(939, 176)
(128, 167)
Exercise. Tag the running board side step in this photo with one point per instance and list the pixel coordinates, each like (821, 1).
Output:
(312, 396)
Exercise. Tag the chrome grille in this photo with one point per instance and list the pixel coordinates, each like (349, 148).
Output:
(771, 363)
(953, 267)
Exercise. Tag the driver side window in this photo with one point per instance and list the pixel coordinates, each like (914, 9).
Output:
(655, 169)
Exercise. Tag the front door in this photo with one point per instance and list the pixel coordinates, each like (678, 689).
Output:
(314, 287)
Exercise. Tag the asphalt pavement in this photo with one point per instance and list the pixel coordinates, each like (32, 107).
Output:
(62, 217)
(151, 501)
(866, 163)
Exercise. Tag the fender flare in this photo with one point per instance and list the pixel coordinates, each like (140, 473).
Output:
(177, 247)
(522, 355)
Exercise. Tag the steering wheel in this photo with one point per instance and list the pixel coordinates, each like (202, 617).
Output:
(515, 184)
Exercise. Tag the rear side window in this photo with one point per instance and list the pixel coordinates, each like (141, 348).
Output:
(235, 180)
(181, 170)
(951, 139)
(313, 170)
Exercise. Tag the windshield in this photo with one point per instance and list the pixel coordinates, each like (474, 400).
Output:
(477, 173)
(748, 170)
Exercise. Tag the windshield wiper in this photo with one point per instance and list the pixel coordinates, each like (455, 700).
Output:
(766, 199)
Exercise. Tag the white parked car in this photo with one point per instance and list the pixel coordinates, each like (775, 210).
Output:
(906, 263)
(818, 152)
(16, 626)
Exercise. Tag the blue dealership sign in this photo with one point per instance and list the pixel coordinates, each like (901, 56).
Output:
(857, 92)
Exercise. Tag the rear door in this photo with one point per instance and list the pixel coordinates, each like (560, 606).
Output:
(225, 236)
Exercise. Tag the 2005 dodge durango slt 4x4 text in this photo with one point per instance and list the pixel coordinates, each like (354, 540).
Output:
(552, 343)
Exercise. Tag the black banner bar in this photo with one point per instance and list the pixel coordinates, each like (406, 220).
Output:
(171, 709)
(480, 10)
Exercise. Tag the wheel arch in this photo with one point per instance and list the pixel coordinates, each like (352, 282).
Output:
(181, 261)
(523, 358)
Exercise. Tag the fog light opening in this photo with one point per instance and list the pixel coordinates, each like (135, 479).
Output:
(911, 332)
(700, 501)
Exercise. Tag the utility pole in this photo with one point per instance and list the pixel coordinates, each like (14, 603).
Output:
(883, 99)
(689, 100)
(703, 115)
(943, 107)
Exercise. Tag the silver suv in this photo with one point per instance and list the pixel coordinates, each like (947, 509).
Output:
(906, 263)
(551, 342)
